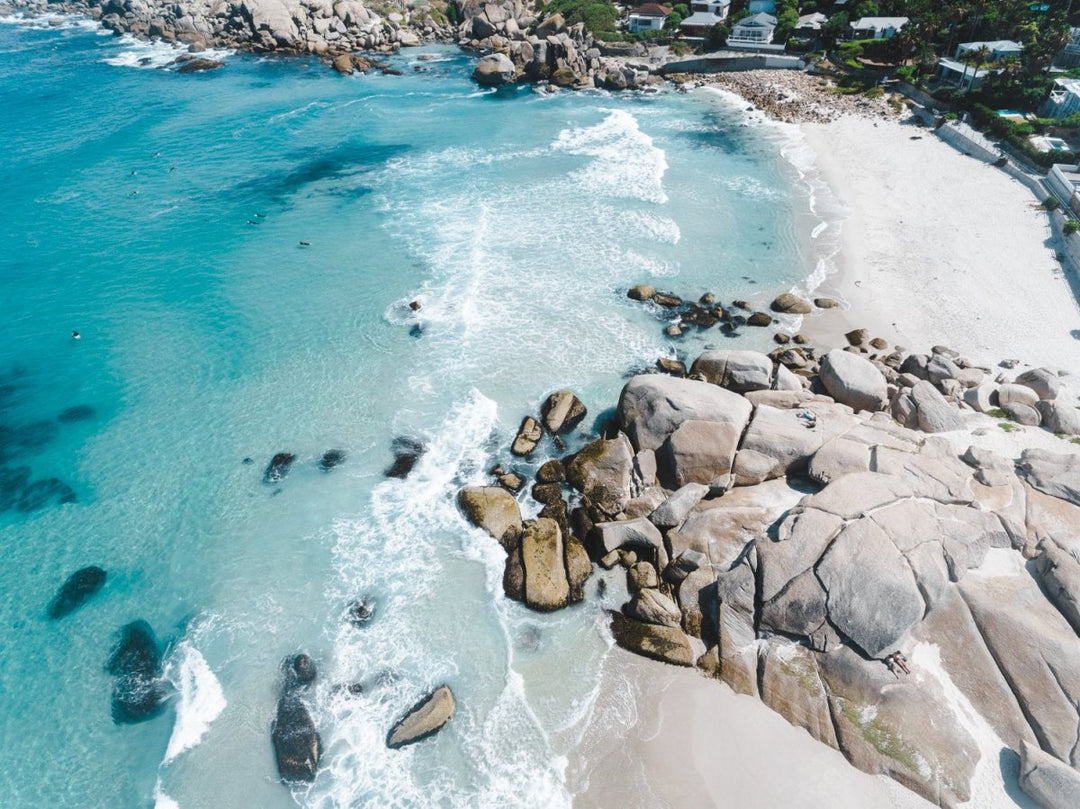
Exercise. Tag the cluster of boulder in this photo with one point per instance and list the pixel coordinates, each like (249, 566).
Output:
(783, 532)
(140, 691)
(520, 44)
(680, 314)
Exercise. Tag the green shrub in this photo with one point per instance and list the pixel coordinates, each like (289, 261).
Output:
(875, 92)
(1070, 227)
(1008, 427)
(1051, 203)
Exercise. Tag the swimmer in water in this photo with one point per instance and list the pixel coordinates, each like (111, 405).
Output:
(75, 335)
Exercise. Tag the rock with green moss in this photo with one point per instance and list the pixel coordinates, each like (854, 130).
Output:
(546, 585)
(602, 472)
(494, 509)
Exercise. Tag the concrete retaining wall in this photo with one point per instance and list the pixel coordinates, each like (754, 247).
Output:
(731, 64)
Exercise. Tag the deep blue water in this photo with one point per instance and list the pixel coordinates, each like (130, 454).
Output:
(161, 216)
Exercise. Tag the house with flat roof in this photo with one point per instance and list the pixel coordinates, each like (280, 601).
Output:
(647, 17)
(1064, 99)
(968, 76)
(877, 27)
(1069, 56)
(755, 30)
(705, 14)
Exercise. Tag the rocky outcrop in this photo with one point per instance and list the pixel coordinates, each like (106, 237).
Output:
(1051, 783)
(139, 693)
(278, 467)
(562, 411)
(546, 584)
(494, 509)
(740, 371)
(853, 380)
(80, 587)
(495, 70)
(602, 472)
(664, 643)
(425, 719)
(297, 746)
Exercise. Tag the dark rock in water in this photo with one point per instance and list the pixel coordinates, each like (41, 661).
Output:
(297, 746)
(416, 331)
(407, 452)
(351, 689)
(415, 305)
(136, 698)
(40, 493)
(299, 670)
(136, 652)
(331, 458)
(76, 413)
(76, 591)
(248, 461)
(360, 612)
(199, 66)
(13, 480)
(278, 467)
(29, 437)
(138, 693)
(425, 719)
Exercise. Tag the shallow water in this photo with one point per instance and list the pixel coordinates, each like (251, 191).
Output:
(161, 216)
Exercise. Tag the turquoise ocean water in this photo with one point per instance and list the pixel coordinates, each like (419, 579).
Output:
(161, 216)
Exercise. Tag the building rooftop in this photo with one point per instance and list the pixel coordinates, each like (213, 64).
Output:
(761, 18)
(877, 23)
(815, 20)
(993, 45)
(701, 18)
(651, 10)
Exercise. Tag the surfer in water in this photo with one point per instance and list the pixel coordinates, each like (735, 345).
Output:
(75, 335)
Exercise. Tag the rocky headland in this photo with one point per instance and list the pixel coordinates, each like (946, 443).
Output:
(787, 523)
(517, 42)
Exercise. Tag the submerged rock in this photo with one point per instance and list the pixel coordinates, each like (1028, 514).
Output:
(76, 413)
(360, 612)
(297, 746)
(299, 670)
(138, 691)
(407, 451)
(79, 588)
(278, 468)
(331, 458)
(425, 719)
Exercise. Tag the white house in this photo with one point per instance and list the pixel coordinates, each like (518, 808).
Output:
(762, 7)
(809, 26)
(969, 76)
(755, 30)
(877, 27)
(1064, 99)
(706, 14)
(649, 17)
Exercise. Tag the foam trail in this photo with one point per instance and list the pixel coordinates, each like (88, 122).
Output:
(161, 800)
(201, 699)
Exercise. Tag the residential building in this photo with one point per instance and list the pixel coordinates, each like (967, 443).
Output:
(1064, 99)
(877, 27)
(809, 26)
(755, 30)
(706, 14)
(969, 76)
(648, 17)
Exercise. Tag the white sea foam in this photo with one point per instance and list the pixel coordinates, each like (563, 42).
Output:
(51, 21)
(161, 800)
(626, 162)
(154, 54)
(201, 698)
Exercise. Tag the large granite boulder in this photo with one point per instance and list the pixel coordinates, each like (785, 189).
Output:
(1059, 572)
(699, 452)
(1043, 381)
(674, 509)
(873, 597)
(602, 471)
(664, 643)
(297, 746)
(853, 380)
(494, 509)
(790, 304)
(424, 719)
(653, 607)
(933, 413)
(779, 442)
(1037, 651)
(740, 371)
(1058, 417)
(542, 558)
(1055, 474)
(653, 406)
(637, 534)
(1053, 784)
(495, 70)
(562, 411)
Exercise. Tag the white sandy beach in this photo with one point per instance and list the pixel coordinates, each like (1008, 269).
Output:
(697, 744)
(940, 249)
